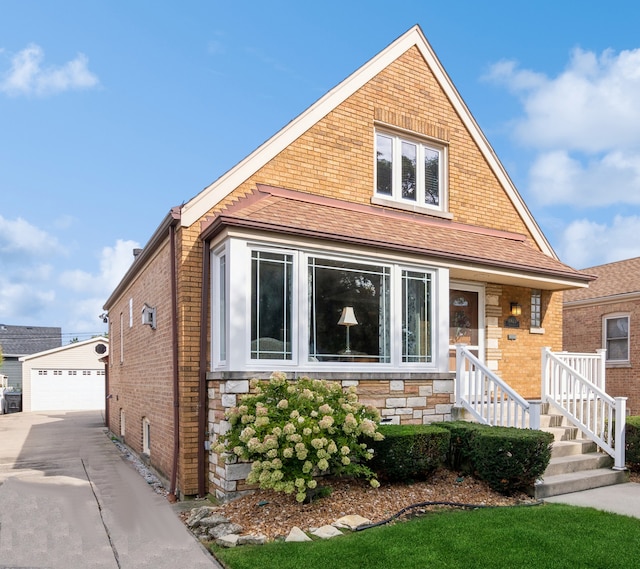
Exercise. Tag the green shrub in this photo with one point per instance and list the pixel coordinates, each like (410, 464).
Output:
(632, 443)
(459, 457)
(409, 452)
(510, 459)
(293, 431)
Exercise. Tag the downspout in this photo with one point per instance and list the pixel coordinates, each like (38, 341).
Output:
(203, 403)
(174, 341)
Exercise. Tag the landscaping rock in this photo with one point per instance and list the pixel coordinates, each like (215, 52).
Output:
(296, 534)
(221, 530)
(230, 540)
(351, 522)
(213, 520)
(326, 532)
(197, 514)
(252, 539)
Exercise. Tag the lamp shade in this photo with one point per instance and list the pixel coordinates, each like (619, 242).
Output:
(348, 317)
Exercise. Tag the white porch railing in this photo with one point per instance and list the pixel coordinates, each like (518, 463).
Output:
(584, 403)
(590, 366)
(488, 398)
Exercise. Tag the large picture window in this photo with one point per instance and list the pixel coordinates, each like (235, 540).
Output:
(416, 317)
(616, 330)
(271, 302)
(409, 171)
(349, 311)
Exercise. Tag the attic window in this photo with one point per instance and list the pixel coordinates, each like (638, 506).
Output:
(410, 172)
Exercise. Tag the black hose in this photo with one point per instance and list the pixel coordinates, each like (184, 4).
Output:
(423, 504)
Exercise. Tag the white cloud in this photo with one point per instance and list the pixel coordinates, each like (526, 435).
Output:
(22, 298)
(590, 107)
(556, 177)
(584, 126)
(91, 290)
(27, 76)
(20, 236)
(586, 243)
(114, 263)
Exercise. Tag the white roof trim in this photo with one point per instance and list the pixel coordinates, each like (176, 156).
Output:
(198, 206)
(70, 346)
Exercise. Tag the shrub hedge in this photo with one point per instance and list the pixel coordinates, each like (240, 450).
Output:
(508, 459)
(632, 443)
(409, 452)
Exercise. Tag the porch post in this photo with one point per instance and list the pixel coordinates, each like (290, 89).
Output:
(545, 374)
(602, 366)
(535, 410)
(619, 436)
(459, 368)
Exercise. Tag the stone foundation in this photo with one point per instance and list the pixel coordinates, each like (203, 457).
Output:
(402, 399)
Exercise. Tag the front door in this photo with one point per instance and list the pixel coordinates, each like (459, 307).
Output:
(465, 322)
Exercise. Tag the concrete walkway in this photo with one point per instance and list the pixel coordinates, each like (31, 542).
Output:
(68, 499)
(618, 499)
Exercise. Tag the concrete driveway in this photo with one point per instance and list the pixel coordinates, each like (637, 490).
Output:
(68, 499)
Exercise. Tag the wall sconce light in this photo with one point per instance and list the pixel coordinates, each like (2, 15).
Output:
(514, 310)
(348, 319)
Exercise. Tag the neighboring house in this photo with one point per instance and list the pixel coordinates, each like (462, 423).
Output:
(359, 244)
(68, 378)
(607, 316)
(19, 341)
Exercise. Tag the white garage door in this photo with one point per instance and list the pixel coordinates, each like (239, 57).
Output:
(67, 390)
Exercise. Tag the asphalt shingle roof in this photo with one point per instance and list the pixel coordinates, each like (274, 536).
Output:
(297, 213)
(621, 277)
(26, 340)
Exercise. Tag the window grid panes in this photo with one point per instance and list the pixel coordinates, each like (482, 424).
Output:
(408, 171)
(617, 338)
(416, 317)
(536, 308)
(271, 302)
(339, 287)
(222, 317)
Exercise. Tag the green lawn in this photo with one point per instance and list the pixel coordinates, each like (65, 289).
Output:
(551, 535)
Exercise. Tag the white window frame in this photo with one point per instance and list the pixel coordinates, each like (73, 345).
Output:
(238, 318)
(122, 422)
(219, 312)
(294, 303)
(605, 338)
(396, 198)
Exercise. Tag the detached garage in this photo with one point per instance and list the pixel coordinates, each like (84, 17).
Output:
(69, 378)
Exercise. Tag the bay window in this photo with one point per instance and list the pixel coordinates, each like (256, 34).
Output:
(271, 288)
(336, 287)
(322, 311)
(416, 317)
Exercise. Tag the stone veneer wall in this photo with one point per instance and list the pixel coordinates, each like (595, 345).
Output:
(402, 399)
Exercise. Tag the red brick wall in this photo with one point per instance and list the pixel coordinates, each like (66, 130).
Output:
(142, 384)
(583, 333)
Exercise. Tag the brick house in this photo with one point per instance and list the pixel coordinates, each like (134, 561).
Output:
(358, 244)
(607, 316)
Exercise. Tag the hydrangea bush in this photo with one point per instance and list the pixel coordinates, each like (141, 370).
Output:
(294, 431)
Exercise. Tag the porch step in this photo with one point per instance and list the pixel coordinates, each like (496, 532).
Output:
(578, 481)
(576, 464)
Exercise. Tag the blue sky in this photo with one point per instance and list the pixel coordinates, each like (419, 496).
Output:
(113, 112)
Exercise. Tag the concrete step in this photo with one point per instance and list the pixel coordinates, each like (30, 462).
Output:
(551, 421)
(578, 481)
(562, 433)
(577, 463)
(577, 446)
